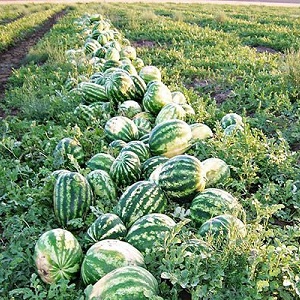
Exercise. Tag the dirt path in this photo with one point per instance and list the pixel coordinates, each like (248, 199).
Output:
(12, 57)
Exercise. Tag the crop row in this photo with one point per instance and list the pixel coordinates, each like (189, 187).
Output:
(201, 62)
(18, 29)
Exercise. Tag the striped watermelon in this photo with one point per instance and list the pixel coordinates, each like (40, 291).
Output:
(110, 64)
(145, 115)
(148, 230)
(120, 87)
(100, 52)
(66, 150)
(92, 92)
(115, 147)
(151, 164)
(129, 108)
(126, 169)
(106, 226)
(170, 138)
(156, 97)
(150, 73)
(140, 87)
(85, 113)
(103, 187)
(145, 138)
(121, 128)
(106, 256)
(140, 199)
(72, 197)
(154, 176)
(100, 161)
(169, 112)
(216, 171)
(57, 255)
(200, 132)
(129, 68)
(223, 229)
(90, 46)
(231, 119)
(126, 283)
(212, 202)
(181, 177)
(139, 148)
(112, 53)
(144, 126)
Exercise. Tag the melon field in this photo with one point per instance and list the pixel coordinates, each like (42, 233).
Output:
(149, 151)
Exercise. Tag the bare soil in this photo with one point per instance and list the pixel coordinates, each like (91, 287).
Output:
(12, 57)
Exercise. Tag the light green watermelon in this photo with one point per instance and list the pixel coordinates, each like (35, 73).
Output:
(57, 255)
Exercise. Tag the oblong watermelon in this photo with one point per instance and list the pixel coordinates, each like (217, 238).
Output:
(213, 202)
(106, 256)
(148, 230)
(170, 138)
(140, 199)
(126, 283)
(181, 178)
(72, 197)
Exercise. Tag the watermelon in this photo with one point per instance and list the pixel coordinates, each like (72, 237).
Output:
(145, 138)
(150, 73)
(200, 132)
(151, 164)
(126, 169)
(112, 53)
(170, 111)
(121, 128)
(103, 187)
(66, 150)
(156, 97)
(189, 111)
(138, 63)
(100, 52)
(110, 64)
(170, 138)
(148, 230)
(106, 256)
(223, 229)
(129, 52)
(128, 67)
(178, 98)
(115, 147)
(129, 108)
(233, 129)
(100, 161)
(120, 87)
(216, 171)
(92, 92)
(181, 178)
(126, 283)
(212, 202)
(72, 197)
(106, 226)
(57, 255)
(154, 176)
(231, 119)
(140, 87)
(139, 199)
(90, 46)
(139, 148)
(144, 126)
